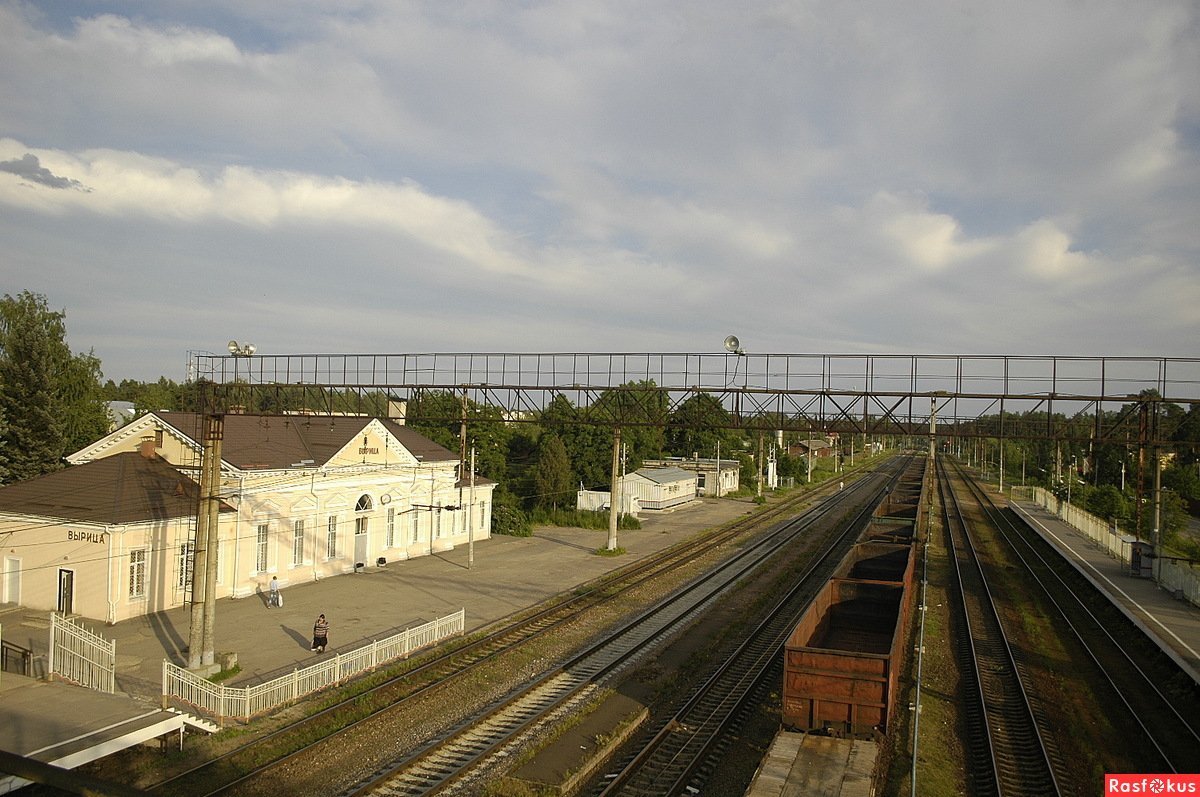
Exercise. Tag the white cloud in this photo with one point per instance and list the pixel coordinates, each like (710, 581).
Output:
(806, 174)
(927, 240)
(109, 35)
(1044, 251)
(122, 183)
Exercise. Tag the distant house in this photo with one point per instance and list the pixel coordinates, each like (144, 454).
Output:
(714, 477)
(660, 488)
(119, 413)
(304, 497)
(645, 488)
(599, 501)
(819, 447)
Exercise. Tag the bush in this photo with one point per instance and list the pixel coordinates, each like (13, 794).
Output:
(510, 521)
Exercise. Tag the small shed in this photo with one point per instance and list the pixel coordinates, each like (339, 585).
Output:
(714, 477)
(600, 500)
(660, 488)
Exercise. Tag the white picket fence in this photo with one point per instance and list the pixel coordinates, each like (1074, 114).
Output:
(233, 702)
(81, 656)
(1178, 578)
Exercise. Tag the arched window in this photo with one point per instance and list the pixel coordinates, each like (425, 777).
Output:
(361, 520)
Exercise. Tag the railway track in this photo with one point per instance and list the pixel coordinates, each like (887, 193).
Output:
(681, 754)
(1006, 748)
(462, 758)
(1109, 644)
(257, 759)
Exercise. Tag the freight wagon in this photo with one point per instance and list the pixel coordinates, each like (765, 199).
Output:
(842, 661)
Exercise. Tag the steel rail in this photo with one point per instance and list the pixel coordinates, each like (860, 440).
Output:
(512, 632)
(445, 761)
(1097, 640)
(1008, 726)
(675, 758)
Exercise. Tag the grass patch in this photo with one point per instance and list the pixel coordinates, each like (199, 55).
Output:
(581, 518)
(618, 551)
(225, 675)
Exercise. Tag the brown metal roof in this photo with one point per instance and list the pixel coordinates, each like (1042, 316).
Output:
(123, 488)
(274, 442)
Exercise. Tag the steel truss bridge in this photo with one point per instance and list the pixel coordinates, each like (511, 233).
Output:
(1098, 399)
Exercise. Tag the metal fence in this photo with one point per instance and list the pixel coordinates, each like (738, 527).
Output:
(82, 656)
(1177, 577)
(232, 702)
(14, 658)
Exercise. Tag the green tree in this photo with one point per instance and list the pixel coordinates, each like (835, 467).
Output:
(1107, 502)
(1188, 430)
(698, 426)
(52, 401)
(438, 415)
(164, 394)
(3, 455)
(552, 479)
(1184, 480)
(589, 447)
(642, 407)
(81, 402)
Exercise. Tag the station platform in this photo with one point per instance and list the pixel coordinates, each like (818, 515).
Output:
(504, 576)
(808, 765)
(1172, 623)
(65, 726)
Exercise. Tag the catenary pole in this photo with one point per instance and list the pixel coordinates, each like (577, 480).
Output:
(200, 560)
(214, 434)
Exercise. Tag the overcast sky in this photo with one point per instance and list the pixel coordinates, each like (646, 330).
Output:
(825, 177)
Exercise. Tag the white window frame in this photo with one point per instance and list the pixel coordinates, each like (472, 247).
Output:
(331, 538)
(416, 526)
(186, 559)
(262, 540)
(391, 527)
(139, 565)
(297, 543)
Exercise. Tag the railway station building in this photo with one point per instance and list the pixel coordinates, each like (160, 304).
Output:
(303, 497)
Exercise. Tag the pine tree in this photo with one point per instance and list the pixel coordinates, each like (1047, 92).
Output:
(51, 401)
(552, 475)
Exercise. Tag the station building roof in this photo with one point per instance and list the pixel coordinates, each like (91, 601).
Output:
(124, 488)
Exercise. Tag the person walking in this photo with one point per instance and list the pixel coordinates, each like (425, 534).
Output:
(320, 634)
(274, 600)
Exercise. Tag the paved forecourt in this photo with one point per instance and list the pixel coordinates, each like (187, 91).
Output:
(1174, 624)
(507, 574)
